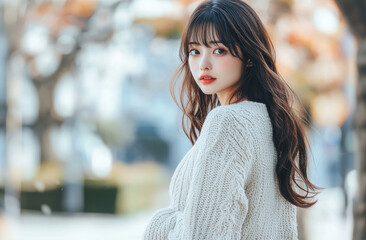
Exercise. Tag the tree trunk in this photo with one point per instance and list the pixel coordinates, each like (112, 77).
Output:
(359, 230)
(354, 13)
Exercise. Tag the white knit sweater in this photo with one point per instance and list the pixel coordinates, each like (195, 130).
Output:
(225, 186)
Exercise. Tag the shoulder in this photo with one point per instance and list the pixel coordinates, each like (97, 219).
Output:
(230, 124)
(220, 114)
(246, 121)
(250, 115)
(225, 113)
(245, 116)
(221, 119)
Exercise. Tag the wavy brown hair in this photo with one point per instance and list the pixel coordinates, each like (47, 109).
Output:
(236, 25)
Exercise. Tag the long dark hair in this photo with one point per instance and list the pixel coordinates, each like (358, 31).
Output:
(238, 27)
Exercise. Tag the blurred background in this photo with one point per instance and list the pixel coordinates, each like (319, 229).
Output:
(89, 133)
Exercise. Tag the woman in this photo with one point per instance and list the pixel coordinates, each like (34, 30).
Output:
(241, 178)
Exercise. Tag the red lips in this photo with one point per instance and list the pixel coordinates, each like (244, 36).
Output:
(206, 79)
(206, 76)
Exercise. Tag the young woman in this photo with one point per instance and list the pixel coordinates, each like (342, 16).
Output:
(247, 171)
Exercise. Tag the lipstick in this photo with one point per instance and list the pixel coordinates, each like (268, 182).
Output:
(207, 79)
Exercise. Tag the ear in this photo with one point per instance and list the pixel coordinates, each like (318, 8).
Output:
(249, 63)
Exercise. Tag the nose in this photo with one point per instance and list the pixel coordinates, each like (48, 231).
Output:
(205, 63)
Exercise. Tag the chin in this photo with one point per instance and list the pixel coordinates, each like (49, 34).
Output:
(208, 92)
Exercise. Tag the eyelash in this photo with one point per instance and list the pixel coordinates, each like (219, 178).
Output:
(224, 51)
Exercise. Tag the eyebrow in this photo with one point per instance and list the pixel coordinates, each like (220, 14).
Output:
(196, 43)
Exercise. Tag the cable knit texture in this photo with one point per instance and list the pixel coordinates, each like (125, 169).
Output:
(225, 186)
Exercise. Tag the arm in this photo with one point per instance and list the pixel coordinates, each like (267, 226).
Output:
(216, 204)
(160, 224)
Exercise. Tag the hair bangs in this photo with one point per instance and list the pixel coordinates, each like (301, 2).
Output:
(210, 29)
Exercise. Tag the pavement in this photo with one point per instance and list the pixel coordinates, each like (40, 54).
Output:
(323, 221)
(35, 226)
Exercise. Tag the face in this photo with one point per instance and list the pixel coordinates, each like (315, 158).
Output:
(217, 62)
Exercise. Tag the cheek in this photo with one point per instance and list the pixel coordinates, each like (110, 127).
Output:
(231, 66)
(192, 66)
(227, 63)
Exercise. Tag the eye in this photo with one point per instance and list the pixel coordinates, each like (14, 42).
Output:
(220, 51)
(191, 52)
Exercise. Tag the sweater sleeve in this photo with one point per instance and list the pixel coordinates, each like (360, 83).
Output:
(161, 223)
(217, 204)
